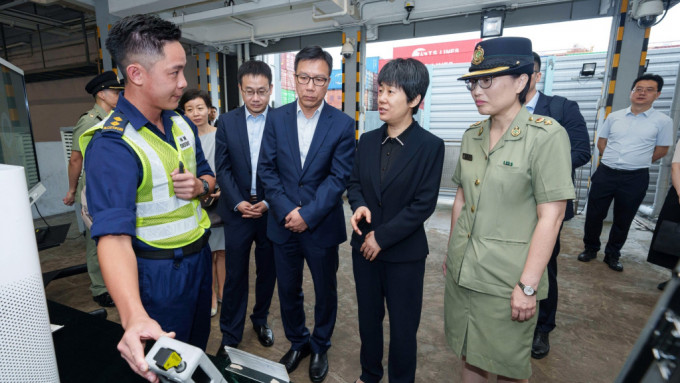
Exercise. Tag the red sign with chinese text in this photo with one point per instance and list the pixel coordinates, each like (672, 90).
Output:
(438, 53)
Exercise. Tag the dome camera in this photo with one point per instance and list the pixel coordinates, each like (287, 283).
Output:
(646, 12)
(347, 49)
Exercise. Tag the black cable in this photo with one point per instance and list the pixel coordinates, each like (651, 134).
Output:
(43, 218)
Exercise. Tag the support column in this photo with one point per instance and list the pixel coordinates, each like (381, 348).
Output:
(104, 22)
(353, 72)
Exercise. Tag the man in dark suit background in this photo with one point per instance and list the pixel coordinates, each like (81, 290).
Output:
(243, 207)
(305, 162)
(567, 113)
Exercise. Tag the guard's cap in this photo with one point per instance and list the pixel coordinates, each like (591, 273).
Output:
(501, 56)
(106, 80)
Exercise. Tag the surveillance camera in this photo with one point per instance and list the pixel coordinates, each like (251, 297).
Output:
(646, 12)
(409, 5)
(347, 49)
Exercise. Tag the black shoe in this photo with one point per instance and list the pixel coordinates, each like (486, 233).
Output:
(613, 263)
(318, 367)
(541, 345)
(104, 300)
(661, 286)
(293, 357)
(264, 334)
(222, 353)
(587, 255)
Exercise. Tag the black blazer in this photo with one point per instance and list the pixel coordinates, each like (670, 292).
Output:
(573, 122)
(232, 160)
(404, 200)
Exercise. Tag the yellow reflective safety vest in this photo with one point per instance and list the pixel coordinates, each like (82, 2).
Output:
(163, 220)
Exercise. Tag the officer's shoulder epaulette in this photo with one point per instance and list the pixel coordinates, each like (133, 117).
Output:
(541, 121)
(476, 125)
(115, 122)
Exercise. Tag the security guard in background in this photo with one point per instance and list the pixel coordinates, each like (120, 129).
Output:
(145, 173)
(104, 88)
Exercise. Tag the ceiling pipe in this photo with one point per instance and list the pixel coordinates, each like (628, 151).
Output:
(13, 4)
(263, 44)
(344, 12)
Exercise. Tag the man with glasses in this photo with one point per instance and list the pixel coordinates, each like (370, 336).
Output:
(305, 163)
(243, 208)
(630, 140)
(567, 113)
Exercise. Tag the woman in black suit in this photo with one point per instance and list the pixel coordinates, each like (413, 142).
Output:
(392, 190)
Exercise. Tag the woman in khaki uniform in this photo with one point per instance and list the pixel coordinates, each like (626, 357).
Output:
(513, 178)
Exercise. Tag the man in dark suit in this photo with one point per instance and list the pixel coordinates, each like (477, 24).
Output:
(567, 113)
(305, 162)
(243, 208)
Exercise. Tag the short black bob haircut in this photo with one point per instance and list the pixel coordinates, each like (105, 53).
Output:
(314, 52)
(408, 74)
(254, 68)
(650, 76)
(143, 35)
(192, 94)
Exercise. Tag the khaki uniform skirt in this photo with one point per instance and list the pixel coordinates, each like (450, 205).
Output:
(478, 327)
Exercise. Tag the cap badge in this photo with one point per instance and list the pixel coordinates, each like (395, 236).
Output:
(515, 131)
(478, 55)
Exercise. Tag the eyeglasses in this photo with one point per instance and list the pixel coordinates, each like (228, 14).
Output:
(484, 83)
(644, 90)
(303, 79)
(252, 92)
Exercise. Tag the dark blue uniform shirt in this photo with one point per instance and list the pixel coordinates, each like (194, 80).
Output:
(114, 172)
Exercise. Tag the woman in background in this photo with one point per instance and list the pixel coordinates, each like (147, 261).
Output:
(196, 105)
(665, 249)
(514, 180)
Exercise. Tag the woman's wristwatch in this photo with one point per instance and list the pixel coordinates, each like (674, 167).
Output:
(527, 290)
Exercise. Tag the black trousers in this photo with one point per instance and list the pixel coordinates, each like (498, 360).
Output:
(547, 308)
(627, 188)
(399, 286)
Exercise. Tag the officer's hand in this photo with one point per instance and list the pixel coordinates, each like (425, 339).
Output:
(70, 198)
(360, 213)
(295, 222)
(370, 247)
(131, 346)
(523, 306)
(186, 185)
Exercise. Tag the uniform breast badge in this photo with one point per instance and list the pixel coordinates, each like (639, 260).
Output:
(515, 131)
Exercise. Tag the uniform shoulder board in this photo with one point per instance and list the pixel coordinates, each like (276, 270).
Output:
(115, 122)
(476, 123)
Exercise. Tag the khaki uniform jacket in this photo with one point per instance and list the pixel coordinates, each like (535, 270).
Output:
(89, 119)
(530, 165)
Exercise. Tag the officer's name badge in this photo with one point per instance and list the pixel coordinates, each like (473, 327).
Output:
(183, 142)
(467, 156)
(507, 163)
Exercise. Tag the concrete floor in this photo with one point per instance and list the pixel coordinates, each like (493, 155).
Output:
(600, 314)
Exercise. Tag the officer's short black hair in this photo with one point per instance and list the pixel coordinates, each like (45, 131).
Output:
(537, 60)
(254, 68)
(192, 94)
(525, 91)
(649, 76)
(139, 35)
(408, 74)
(314, 52)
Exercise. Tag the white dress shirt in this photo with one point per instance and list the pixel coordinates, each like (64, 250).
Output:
(305, 130)
(255, 128)
(531, 104)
